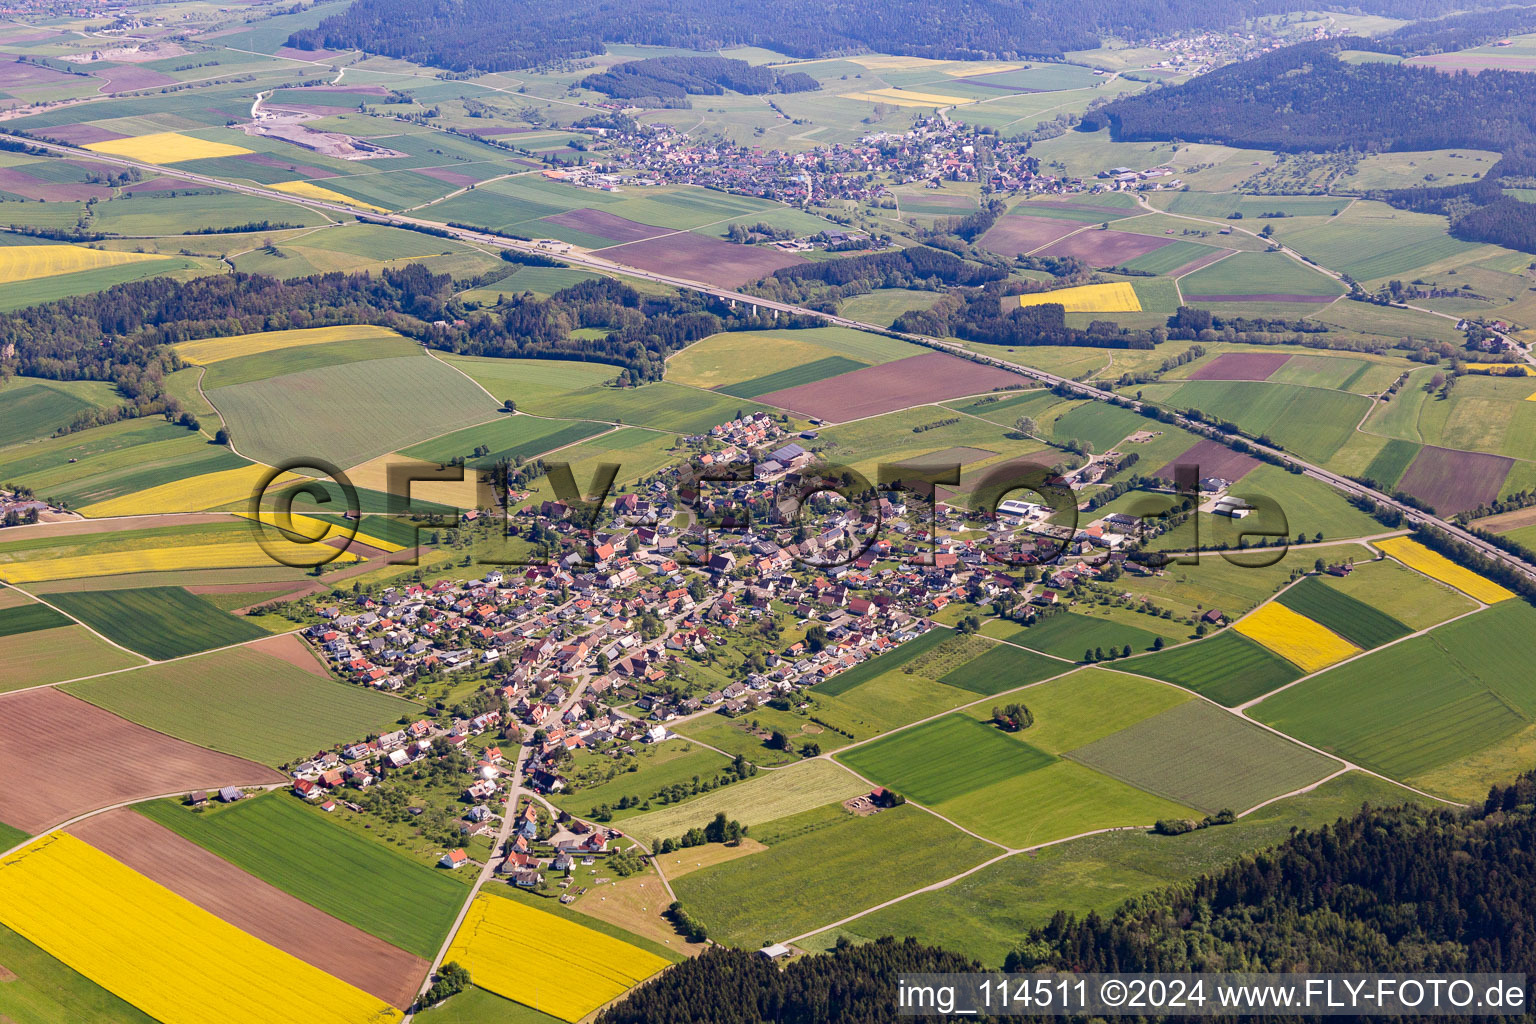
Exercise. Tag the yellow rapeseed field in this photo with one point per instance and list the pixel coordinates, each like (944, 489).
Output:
(224, 554)
(529, 956)
(1502, 369)
(310, 527)
(1115, 297)
(309, 190)
(1308, 645)
(906, 98)
(1416, 556)
(166, 148)
(164, 954)
(194, 494)
(216, 350)
(29, 262)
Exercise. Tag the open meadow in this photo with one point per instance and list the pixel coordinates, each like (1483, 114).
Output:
(247, 703)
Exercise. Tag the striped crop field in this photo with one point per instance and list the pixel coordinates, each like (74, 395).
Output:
(194, 494)
(309, 530)
(215, 350)
(133, 937)
(1115, 297)
(1359, 623)
(29, 262)
(1436, 566)
(1308, 645)
(166, 148)
(309, 190)
(219, 555)
(527, 955)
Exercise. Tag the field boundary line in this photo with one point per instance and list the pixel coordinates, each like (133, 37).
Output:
(40, 600)
(947, 882)
(77, 819)
(1243, 708)
(924, 807)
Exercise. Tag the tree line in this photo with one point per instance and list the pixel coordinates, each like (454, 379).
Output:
(124, 334)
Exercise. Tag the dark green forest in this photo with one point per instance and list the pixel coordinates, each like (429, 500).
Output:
(491, 35)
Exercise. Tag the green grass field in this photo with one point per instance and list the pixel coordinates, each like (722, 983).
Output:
(1069, 635)
(766, 796)
(1355, 621)
(1313, 422)
(1422, 703)
(1259, 273)
(884, 305)
(32, 408)
(1389, 464)
(1228, 668)
(158, 622)
(984, 914)
(1060, 800)
(887, 702)
(560, 388)
(279, 840)
(1100, 424)
(1216, 206)
(1088, 705)
(763, 898)
(246, 703)
(475, 1005)
(1372, 241)
(890, 661)
(262, 365)
(511, 437)
(675, 762)
(51, 655)
(1412, 599)
(39, 988)
(944, 758)
(29, 618)
(1207, 758)
(1001, 668)
(349, 414)
(111, 461)
(806, 373)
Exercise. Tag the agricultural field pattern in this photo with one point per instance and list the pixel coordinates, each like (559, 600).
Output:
(543, 522)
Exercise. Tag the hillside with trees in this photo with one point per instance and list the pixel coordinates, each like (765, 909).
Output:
(1305, 99)
(490, 35)
(677, 77)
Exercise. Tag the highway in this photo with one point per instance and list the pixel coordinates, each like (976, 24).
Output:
(583, 259)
